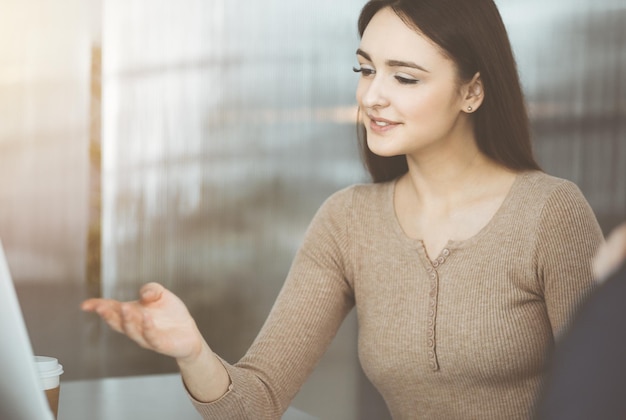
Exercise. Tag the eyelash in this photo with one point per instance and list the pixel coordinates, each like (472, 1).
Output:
(406, 81)
(400, 79)
(364, 72)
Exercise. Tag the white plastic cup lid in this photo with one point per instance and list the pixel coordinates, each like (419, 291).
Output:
(48, 367)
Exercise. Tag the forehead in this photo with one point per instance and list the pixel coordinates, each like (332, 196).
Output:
(387, 36)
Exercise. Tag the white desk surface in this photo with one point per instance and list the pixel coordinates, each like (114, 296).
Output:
(153, 397)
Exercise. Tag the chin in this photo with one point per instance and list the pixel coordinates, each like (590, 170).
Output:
(383, 150)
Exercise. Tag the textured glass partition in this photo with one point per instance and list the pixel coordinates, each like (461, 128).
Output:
(223, 132)
(225, 126)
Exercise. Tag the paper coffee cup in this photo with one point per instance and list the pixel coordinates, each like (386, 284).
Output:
(50, 372)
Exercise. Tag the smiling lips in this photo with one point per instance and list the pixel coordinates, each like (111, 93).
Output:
(381, 125)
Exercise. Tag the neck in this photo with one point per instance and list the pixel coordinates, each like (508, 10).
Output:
(444, 175)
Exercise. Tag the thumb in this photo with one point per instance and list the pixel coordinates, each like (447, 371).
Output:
(150, 292)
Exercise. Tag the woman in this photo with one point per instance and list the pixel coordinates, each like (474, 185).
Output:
(464, 261)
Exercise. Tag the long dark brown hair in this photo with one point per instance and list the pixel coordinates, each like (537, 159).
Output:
(472, 34)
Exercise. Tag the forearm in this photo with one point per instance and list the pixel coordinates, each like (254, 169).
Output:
(204, 375)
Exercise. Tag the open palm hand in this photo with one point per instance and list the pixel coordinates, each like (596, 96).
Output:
(158, 321)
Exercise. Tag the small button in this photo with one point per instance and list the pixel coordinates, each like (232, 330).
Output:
(433, 365)
(431, 342)
(430, 269)
(431, 354)
(436, 263)
(431, 333)
(445, 252)
(430, 322)
(433, 275)
(441, 260)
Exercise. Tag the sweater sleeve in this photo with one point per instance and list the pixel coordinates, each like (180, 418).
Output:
(568, 238)
(313, 302)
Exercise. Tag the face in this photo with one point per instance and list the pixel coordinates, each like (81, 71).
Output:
(409, 95)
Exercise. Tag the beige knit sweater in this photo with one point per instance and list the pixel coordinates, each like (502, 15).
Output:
(460, 336)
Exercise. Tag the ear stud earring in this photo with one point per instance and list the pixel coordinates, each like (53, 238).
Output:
(469, 108)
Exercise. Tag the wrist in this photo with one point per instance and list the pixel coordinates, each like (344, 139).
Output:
(199, 353)
(204, 375)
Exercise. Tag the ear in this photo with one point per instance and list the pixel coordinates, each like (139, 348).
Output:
(474, 93)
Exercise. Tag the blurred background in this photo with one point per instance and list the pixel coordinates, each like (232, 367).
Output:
(191, 143)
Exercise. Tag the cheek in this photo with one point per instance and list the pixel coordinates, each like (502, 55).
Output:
(417, 106)
(360, 90)
(424, 105)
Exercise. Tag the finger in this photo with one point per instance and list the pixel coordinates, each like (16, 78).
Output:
(619, 237)
(89, 305)
(611, 254)
(129, 321)
(132, 323)
(151, 292)
(110, 312)
(150, 332)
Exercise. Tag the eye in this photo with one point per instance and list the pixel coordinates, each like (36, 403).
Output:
(406, 81)
(365, 71)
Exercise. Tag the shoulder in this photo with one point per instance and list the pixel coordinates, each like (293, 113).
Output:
(548, 186)
(354, 208)
(551, 195)
(564, 219)
(358, 195)
(556, 213)
(342, 216)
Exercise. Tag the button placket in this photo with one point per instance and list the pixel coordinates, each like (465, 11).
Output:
(431, 337)
(432, 315)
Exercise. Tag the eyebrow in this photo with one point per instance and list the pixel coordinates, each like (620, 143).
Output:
(393, 63)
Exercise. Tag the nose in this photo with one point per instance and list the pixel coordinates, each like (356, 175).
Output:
(373, 93)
